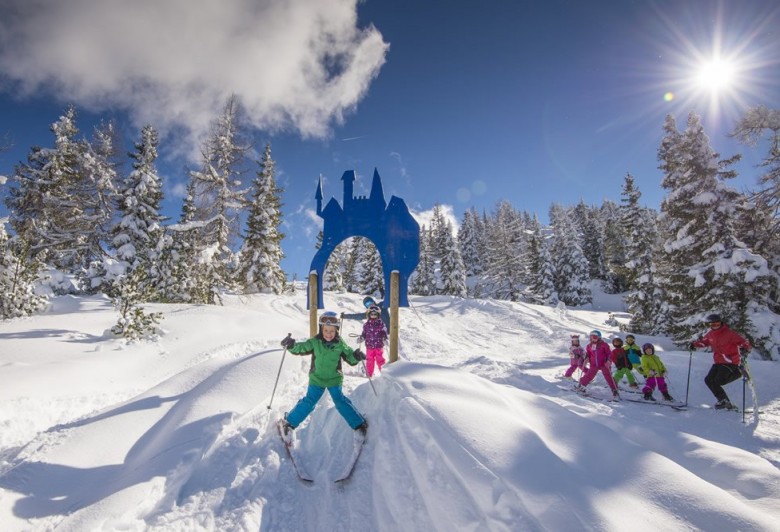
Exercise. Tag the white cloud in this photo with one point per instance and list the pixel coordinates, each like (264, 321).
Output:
(425, 217)
(294, 64)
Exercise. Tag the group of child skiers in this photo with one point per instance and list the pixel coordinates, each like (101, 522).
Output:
(327, 350)
(597, 356)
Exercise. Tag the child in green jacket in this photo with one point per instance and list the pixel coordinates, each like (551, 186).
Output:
(655, 371)
(327, 350)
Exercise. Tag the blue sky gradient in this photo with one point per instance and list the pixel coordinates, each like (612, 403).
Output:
(470, 104)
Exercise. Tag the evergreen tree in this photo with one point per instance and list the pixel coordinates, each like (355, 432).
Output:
(368, 268)
(614, 248)
(706, 267)
(469, 235)
(453, 271)
(588, 225)
(18, 275)
(423, 281)
(541, 284)
(505, 270)
(641, 241)
(218, 199)
(261, 255)
(60, 203)
(571, 266)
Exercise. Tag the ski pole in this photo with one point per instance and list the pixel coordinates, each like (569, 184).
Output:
(289, 335)
(744, 381)
(369, 377)
(688, 384)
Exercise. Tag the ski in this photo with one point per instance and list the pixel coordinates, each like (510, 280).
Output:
(357, 447)
(677, 405)
(288, 444)
(589, 395)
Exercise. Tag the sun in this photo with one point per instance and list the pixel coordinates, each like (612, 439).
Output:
(716, 75)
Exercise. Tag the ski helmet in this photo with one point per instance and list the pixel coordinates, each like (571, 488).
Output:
(712, 318)
(373, 311)
(595, 332)
(630, 336)
(368, 301)
(575, 338)
(329, 318)
(617, 341)
(649, 346)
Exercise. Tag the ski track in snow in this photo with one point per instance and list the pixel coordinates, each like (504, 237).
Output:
(425, 466)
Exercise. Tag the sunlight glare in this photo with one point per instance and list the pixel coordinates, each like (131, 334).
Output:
(716, 75)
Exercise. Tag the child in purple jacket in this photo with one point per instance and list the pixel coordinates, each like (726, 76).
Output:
(375, 335)
(577, 357)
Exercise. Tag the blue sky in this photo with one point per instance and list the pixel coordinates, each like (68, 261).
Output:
(458, 103)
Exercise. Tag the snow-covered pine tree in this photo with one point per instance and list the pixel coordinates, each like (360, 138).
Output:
(137, 233)
(641, 236)
(614, 248)
(541, 284)
(61, 199)
(588, 224)
(219, 200)
(368, 268)
(505, 269)
(571, 266)
(470, 233)
(453, 271)
(261, 254)
(423, 281)
(18, 275)
(706, 267)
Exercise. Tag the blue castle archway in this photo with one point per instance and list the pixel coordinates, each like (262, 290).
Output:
(390, 226)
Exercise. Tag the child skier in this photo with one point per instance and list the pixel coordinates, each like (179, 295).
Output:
(599, 359)
(577, 357)
(327, 350)
(655, 371)
(375, 336)
(369, 302)
(634, 353)
(623, 364)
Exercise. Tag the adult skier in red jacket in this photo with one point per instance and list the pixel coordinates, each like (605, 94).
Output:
(726, 356)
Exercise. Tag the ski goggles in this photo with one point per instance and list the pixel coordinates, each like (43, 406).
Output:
(329, 320)
(715, 324)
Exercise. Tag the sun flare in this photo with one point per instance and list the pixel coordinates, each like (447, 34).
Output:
(715, 75)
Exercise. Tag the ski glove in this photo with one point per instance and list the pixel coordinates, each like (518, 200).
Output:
(360, 355)
(288, 342)
(744, 372)
(692, 347)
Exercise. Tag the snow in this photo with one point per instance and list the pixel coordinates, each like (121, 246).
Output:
(470, 430)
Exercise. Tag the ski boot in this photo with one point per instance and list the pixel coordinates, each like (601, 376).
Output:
(648, 396)
(667, 397)
(724, 404)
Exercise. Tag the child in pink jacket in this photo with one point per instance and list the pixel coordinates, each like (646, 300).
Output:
(375, 335)
(577, 357)
(599, 356)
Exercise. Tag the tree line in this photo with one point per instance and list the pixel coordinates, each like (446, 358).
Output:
(708, 248)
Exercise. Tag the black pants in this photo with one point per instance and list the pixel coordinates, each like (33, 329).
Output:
(719, 375)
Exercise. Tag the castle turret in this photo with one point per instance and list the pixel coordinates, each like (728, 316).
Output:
(349, 187)
(377, 196)
(318, 197)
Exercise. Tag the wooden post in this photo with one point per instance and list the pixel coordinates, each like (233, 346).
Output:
(313, 329)
(394, 275)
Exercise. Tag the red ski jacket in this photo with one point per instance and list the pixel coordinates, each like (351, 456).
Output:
(725, 345)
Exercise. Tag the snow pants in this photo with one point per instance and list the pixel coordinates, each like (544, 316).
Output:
(313, 394)
(651, 383)
(719, 375)
(591, 373)
(374, 355)
(573, 365)
(625, 372)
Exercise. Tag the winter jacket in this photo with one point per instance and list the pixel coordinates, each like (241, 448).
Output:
(374, 333)
(652, 363)
(577, 352)
(725, 344)
(620, 358)
(634, 353)
(598, 353)
(325, 369)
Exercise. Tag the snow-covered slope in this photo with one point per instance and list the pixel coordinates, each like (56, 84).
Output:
(470, 430)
